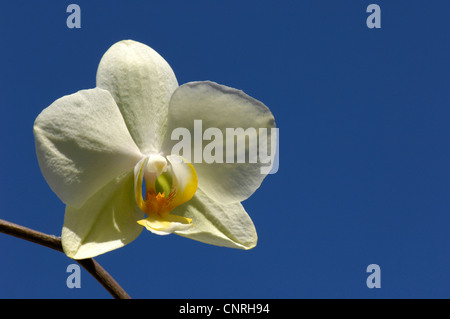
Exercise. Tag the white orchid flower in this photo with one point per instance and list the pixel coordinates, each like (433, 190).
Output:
(98, 148)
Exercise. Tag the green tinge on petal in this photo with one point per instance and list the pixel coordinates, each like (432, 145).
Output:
(106, 221)
(163, 183)
(226, 225)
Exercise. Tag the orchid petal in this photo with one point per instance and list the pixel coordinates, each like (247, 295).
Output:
(82, 143)
(107, 221)
(226, 225)
(220, 108)
(141, 82)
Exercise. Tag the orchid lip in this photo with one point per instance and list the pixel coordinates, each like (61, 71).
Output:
(169, 182)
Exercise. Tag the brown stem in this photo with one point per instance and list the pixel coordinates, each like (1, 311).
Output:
(53, 242)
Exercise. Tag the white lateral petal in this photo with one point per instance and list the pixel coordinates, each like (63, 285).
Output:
(82, 143)
(220, 108)
(141, 82)
(107, 221)
(226, 225)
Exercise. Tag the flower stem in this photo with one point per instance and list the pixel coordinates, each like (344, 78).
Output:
(53, 242)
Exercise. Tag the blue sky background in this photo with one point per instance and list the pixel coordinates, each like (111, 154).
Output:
(364, 144)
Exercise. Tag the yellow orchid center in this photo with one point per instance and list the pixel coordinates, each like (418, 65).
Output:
(169, 182)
